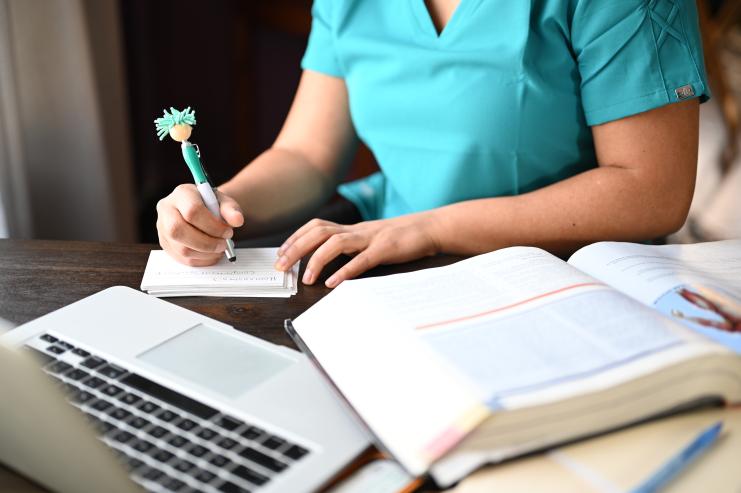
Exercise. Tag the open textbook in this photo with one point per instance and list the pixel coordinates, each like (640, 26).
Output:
(251, 275)
(516, 350)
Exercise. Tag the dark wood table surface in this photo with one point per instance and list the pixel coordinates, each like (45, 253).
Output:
(37, 277)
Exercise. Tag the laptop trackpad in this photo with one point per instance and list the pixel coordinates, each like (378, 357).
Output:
(216, 361)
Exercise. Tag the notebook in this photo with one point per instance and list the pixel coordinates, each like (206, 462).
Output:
(251, 275)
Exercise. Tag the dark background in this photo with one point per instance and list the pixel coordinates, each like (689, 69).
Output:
(235, 62)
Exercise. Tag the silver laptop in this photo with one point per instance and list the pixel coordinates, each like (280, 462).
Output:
(179, 402)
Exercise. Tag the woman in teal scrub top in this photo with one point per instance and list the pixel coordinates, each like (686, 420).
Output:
(553, 123)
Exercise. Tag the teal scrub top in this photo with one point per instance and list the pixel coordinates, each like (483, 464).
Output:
(501, 102)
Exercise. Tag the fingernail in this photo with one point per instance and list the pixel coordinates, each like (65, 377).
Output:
(308, 277)
(282, 263)
(331, 282)
(228, 234)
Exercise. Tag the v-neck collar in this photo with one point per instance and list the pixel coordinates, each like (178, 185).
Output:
(428, 26)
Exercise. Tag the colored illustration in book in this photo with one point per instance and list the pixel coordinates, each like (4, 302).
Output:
(703, 307)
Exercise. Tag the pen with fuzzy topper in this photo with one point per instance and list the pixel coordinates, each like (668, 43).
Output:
(179, 125)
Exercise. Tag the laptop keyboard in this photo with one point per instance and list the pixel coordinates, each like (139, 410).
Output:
(168, 441)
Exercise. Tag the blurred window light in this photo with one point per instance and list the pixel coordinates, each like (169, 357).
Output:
(3, 221)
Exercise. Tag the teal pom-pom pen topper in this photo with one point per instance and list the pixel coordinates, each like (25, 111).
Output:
(179, 125)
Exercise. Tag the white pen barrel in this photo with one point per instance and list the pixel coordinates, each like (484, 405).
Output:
(212, 204)
(209, 198)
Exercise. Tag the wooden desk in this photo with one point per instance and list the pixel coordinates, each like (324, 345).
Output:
(37, 277)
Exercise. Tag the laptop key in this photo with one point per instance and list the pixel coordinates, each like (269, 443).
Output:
(142, 446)
(112, 390)
(81, 352)
(178, 441)
(94, 382)
(184, 465)
(93, 362)
(77, 374)
(232, 488)
(55, 349)
(49, 338)
(153, 474)
(58, 367)
(198, 451)
(101, 405)
(66, 345)
(209, 434)
(81, 396)
(228, 423)
(148, 407)
(119, 414)
(249, 475)
(122, 436)
(129, 398)
(252, 433)
(163, 456)
(157, 431)
(227, 443)
(273, 442)
(105, 426)
(111, 371)
(219, 460)
(171, 397)
(167, 416)
(186, 424)
(204, 476)
(295, 452)
(134, 463)
(265, 461)
(172, 484)
(138, 422)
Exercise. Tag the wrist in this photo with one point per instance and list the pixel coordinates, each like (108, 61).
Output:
(433, 228)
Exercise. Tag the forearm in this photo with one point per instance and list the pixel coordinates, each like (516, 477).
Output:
(278, 189)
(606, 203)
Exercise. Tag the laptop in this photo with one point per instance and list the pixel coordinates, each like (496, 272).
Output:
(178, 402)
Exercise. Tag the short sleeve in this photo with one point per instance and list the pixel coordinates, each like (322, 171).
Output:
(321, 55)
(636, 55)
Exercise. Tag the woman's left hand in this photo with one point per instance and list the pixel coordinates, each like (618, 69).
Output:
(372, 243)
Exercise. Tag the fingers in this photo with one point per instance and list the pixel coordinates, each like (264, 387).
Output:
(337, 244)
(314, 223)
(187, 256)
(189, 204)
(311, 238)
(362, 262)
(230, 210)
(188, 231)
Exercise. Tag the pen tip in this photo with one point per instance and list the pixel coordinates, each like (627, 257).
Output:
(232, 259)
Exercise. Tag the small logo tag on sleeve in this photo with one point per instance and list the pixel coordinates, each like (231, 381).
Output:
(684, 92)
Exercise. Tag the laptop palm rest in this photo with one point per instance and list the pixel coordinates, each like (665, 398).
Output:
(216, 361)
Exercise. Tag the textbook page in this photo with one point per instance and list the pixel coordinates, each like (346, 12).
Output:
(414, 353)
(698, 285)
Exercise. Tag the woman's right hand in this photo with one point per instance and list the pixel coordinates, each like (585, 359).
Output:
(189, 233)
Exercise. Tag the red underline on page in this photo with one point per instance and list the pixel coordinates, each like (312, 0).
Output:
(506, 307)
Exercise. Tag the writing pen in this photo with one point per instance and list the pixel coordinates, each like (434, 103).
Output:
(192, 159)
(679, 462)
(178, 124)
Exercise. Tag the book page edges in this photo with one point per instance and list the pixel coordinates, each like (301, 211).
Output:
(416, 405)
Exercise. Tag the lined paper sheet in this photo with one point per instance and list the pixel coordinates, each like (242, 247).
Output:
(251, 275)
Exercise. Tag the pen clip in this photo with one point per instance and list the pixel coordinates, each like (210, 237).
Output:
(203, 166)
